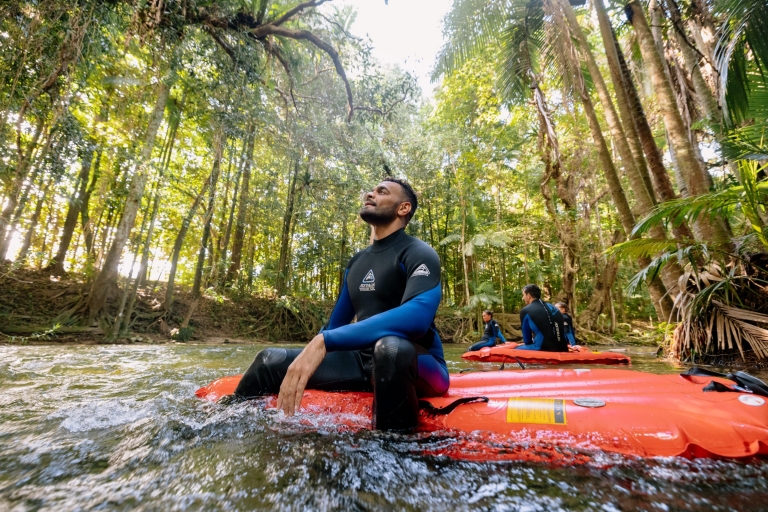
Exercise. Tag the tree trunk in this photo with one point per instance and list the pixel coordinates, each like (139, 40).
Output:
(73, 210)
(85, 218)
(179, 244)
(218, 147)
(108, 275)
(33, 222)
(661, 300)
(709, 230)
(641, 186)
(12, 194)
(282, 266)
(622, 96)
(237, 244)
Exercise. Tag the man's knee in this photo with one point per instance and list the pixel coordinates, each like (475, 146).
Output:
(264, 375)
(394, 355)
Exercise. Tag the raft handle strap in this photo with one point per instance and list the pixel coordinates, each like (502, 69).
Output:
(442, 411)
(744, 381)
(522, 367)
(722, 388)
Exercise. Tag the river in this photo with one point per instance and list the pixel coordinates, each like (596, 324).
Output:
(119, 428)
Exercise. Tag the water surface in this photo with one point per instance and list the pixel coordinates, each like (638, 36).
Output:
(119, 428)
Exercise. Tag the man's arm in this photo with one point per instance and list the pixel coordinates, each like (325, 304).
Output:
(343, 311)
(410, 321)
(527, 333)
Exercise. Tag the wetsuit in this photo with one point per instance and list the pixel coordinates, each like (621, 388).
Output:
(570, 330)
(492, 331)
(394, 350)
(542, 328)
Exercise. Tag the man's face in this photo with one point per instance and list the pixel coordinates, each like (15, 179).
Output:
(527, 298)
(562, 309)
(380, 205)
(486, 317)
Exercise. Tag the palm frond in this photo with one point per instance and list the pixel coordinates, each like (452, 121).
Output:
(744, 30)
(470, 28)
(691, 208)
(642, 248)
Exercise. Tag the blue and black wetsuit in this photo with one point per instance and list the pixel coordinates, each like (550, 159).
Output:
(542, 328)
(492, 331)
(393, 289)
(570, 330)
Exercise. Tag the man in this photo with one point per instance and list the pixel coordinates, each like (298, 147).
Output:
(542, 323)
(491, 332)
(393, 289)
(570, 330)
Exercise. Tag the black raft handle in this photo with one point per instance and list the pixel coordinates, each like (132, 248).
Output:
(744, 381)
(442, 411)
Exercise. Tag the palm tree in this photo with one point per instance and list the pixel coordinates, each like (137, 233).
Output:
(529, 45)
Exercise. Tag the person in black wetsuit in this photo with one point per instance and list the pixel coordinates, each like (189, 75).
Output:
(491, 332)
(393, 349)
(542, 323)
(570, 330)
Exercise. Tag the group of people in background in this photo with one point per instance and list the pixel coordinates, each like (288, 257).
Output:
(545, 327)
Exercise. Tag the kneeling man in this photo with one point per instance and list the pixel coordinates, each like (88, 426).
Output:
(393, 289)
(542, 323)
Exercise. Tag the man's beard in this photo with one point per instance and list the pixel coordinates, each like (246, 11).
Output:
(379, 216)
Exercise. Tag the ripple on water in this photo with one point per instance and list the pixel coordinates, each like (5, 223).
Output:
(118, 428)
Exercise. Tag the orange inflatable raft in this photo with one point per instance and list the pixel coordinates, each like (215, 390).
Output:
(569, 415)
(506, 353)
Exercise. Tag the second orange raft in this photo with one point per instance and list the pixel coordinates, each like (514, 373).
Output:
(507, 353)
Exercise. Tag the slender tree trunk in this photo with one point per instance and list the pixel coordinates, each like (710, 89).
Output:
(622, 96)
(179, 244)
(641, 186)
(237, 244)
(282, 266)
(661, 300)
(34, 222)
(73, 210)
(85, 218)
(709, 230)
(12, 193)
(108, 275)
(218, 147)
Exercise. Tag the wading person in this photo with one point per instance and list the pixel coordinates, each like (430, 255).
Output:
(490, 334)
(393, 289)
(570, 330)
(542, 323)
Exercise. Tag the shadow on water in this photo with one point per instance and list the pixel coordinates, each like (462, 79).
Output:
(119, 428)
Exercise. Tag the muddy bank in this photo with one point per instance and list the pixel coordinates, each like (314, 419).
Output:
(32, 302)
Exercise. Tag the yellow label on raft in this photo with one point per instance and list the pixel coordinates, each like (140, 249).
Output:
(541, 411)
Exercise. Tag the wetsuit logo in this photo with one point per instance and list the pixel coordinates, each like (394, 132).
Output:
(369, 282)
(422, 270)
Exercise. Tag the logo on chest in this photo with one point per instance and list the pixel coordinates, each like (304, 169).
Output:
(369, 282)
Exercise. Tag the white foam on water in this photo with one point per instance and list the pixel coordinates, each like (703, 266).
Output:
(100, 414)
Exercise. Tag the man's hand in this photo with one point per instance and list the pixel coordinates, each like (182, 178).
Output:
(299, 372)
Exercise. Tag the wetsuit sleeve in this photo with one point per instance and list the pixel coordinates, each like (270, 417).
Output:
(499, 334)
(343, 311)
(527, 332)
(412, 318)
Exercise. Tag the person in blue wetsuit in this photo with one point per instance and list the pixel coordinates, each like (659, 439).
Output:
(393, 290)
(570, 330)
(542, 323)
(490, 334)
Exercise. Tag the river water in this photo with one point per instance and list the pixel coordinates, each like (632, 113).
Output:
(119, 428)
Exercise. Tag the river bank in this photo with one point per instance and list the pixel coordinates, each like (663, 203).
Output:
(32, 303)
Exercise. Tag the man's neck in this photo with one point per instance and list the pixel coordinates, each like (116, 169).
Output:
(381, 232)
